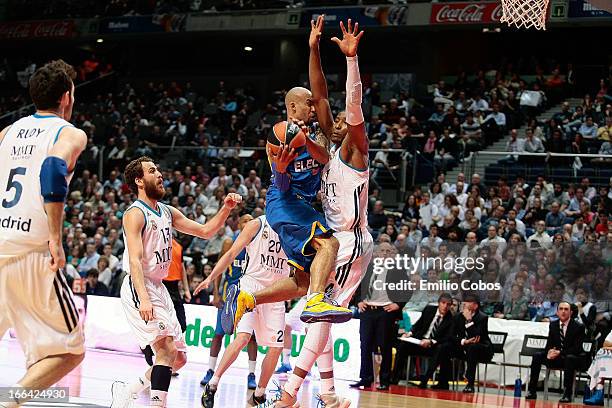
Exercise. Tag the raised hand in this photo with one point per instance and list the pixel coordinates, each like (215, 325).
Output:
(232, 200)
(316, 29)
(350, 38)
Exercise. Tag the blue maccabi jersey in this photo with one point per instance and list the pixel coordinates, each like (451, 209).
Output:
(305, 174)
(235, 271)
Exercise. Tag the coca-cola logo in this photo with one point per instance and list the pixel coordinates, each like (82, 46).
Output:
(466, 13)
(43, 29)
(470, 13)
(496, 15)
(56, 29)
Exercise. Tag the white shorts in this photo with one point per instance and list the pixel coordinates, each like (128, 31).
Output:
(354, 256)
(267, 320)
(164, 323)
(38, 304)
(292, 319)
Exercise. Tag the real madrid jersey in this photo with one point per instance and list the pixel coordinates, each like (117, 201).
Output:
(344, 194)
(266, 261)
(156, 241)
(23, 220)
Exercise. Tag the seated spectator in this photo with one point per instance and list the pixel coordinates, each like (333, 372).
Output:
(433, 329)
(554, 219)
(540, 236)
(377, 218)
(588, 129)
(93, 286)
(517, 307)
(90, 260)
(470, 342)
(563, 350)
(428, 212)
(106, 275)
(532, 144)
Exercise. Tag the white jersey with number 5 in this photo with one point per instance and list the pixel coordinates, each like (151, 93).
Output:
(23, 221)
(265, 261)
(344, 194)
(156, 241)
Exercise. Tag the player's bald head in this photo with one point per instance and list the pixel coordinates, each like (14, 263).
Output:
(297, 95)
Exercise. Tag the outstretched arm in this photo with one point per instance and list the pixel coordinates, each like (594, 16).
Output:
(246, 236)
(318, 84)
(187, 226)
(54, 186)
(356, 144)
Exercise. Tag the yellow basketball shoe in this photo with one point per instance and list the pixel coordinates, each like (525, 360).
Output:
(320, 308)
(237, 303)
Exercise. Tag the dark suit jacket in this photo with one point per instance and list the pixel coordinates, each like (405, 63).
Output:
(574, 337)
(392, 276)
(444, 332)
(478, 327)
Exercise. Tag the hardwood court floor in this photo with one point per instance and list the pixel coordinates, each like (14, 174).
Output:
(90, 386)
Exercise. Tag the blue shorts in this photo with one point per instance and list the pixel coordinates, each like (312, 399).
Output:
(218, 329)
(296, 222)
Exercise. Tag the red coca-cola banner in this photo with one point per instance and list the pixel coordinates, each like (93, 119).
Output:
(465, 13)
(37, 29)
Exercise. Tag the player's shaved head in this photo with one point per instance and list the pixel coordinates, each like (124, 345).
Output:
(298, 102)
(297, 95)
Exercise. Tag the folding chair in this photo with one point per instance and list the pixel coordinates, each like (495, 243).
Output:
(498, 340)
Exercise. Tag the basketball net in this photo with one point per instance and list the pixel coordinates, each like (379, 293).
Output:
(525, 13)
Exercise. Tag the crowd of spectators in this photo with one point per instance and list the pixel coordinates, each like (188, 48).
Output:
(585, 129)
(460, 117)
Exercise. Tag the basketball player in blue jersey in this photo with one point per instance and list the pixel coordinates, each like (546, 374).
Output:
(231, 277)
(305, 237)
(344, 190)
(38, 154)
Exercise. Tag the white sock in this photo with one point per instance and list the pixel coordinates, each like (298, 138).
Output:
(212, 363)
(286, 355)
(327, 386)
(260, 391)
(214, 381)
(310, 296)
(293, 384)
(138, 386)
(158, 398)
(252, 365)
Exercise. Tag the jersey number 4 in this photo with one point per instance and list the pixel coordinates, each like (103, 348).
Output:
(14, 184)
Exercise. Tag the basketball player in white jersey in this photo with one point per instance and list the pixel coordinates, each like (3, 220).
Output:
(38, 154)
(265, 263)
(147, 229)
(344, 188)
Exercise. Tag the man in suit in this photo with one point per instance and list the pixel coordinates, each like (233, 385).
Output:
(433, 328)
(563, 350)
(470, 342)
(379, 309)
